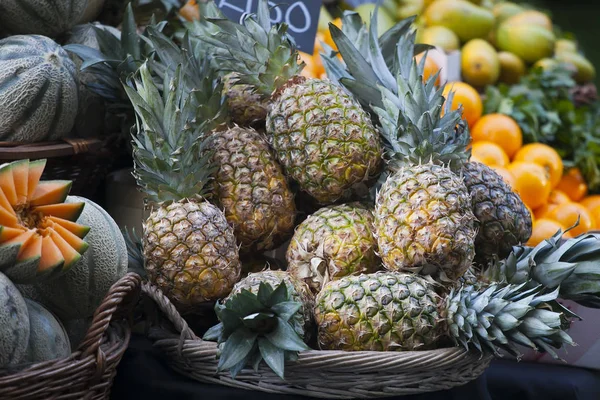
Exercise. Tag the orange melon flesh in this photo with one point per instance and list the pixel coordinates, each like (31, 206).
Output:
(7, 183)
(23, 240)
(50, 192)
(69, 211)
(5, 204)
(8, 219)
(51, 255)
(20, 172)
(7, 233)
(36, 169)
(69, 254)
(32, 249)
(73, 227)
(72, 240)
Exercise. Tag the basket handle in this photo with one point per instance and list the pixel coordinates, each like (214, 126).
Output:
(169, 310)
(121, 296)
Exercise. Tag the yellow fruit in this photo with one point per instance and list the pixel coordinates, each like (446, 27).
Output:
(531, 17)
(430, 67)
(500, 129)
(384, 20)
(505, 10)
(505, 174)
(591, 202)
(466, 19)
(573, 184)
(555, 198)
(512, 68)
(544, 229)
(190, 11)
(568, 213)
(489, 154)
(480, 65)
(585, 70)
(529, 42)
(565, 45)
(546, 63)
(532, 183)
(408, 8)
(543, 155)
(439, 36)
(466, 96)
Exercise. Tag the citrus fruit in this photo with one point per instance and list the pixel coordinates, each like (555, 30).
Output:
(590, 202)
(573, 184)
(567, 214)
(543, 229)
(555, 198)
(505, 174)
(429, 69)
(489, 153)
(500, 129)
(532, 183)
(545, 156)
(466, 96)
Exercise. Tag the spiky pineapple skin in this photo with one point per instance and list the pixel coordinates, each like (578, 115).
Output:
(252, 190)
(337, 241)
(503, 220)
(383, 311)
(246, 107)
(191, 253)
(323, 138)
(297, 289)
(424, 222)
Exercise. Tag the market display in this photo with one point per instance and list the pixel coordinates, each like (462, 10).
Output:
(428, 179)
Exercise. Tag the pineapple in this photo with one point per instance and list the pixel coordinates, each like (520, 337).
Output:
(247, 108)
(267, 316)
(190, 250)
(321, 136)
(335, 241)
(393, 311)
(436, 207)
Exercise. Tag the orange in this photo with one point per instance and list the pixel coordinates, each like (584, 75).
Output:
(590, 202)
(533, 218)
(544, 229)
(429, 69)
(532, 183)
(505, 174)
(311, 69)
(500, 129)
(489, 154)
(190, 11)
(567, 214)
(555, 198)
(573, 184)
(545, 156)
(466, 96)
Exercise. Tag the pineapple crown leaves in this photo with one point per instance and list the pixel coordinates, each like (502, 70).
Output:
(385, 77)
(171, 151)
(134, 251)
(257, 327)
(263, 55)
(572, 265)
(500, 317)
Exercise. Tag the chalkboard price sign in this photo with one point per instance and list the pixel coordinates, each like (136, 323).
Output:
(301, 16)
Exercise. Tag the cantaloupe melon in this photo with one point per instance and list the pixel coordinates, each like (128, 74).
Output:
(77, 293)
(48, 339)
(77, 329)
(49, 18)
(14, 324)
(38, 90)
(38, 236)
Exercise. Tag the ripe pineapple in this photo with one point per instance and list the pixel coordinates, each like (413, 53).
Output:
(422, 217)
(335, 241)
(190, 250)
(247, 108)
(252, 190)
(392, 311)
(322, 137)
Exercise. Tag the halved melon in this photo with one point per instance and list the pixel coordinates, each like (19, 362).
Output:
(39, 235)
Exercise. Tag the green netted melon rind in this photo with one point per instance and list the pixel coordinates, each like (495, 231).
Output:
(77, 293)
(14, 324)
(48, 339)
(77, 329)
(38, 89)
(45, 17)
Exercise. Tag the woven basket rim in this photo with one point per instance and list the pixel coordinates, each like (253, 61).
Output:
(61, 148)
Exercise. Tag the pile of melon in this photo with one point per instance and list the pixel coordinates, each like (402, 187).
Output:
(59, 256)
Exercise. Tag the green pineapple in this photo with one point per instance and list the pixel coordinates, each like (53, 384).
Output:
(190, 250)
(393, 311)
(247, 107)
(333, 242)
(321, 136)
(436, 207)
(267, 316)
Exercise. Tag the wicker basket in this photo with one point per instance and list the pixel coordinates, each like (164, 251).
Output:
(321, 374)
(89, 372)
(86, 162)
